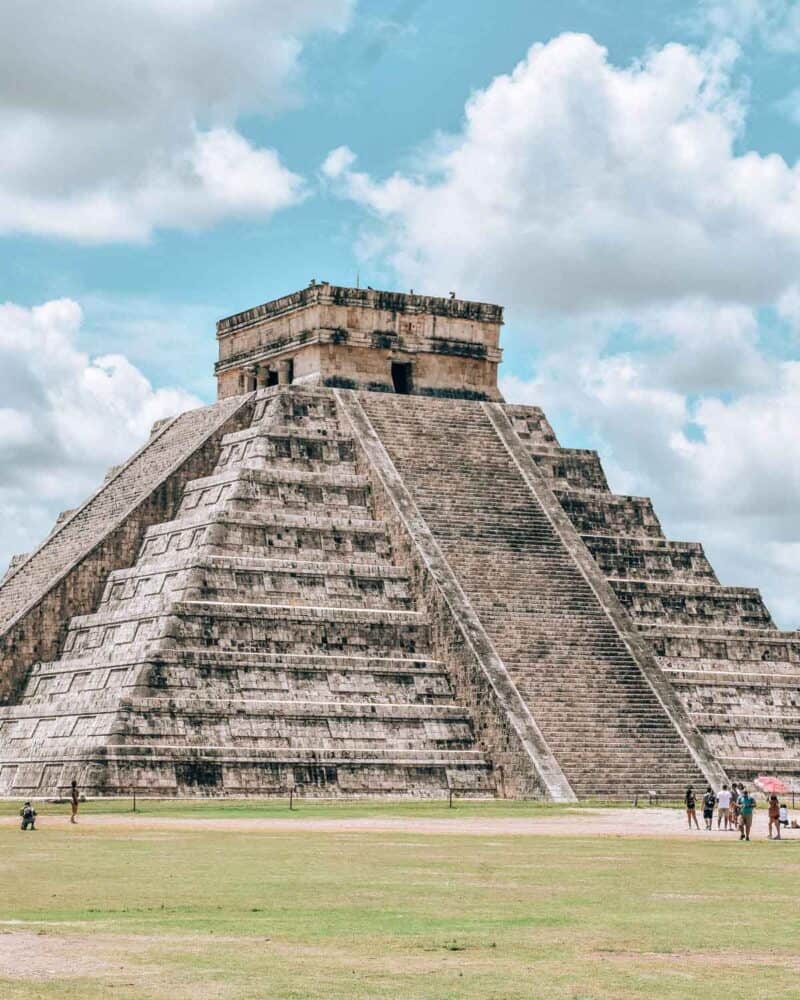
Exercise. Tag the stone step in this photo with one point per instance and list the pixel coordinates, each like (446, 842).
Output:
(201, 576)
(626, 557)
(273, 532)
(260, 723)
(262, 489)
(300, 405)
(204, 771)
(531, 425)
(255, 627)
(570, 468)
(259, 448)
(664, 602)
(778, 718)
(228, 675)
(738, 673)
(751, 765)
(276, 707)
(599, 512)
(705, 644)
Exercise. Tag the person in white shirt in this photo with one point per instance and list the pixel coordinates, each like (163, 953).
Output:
(784, 814)
(723, 807)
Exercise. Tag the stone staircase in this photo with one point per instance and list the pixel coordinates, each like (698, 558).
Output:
(599, 716)
(736, 674)
(265, 637)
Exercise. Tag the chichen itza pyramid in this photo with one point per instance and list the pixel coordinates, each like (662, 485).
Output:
(360, 572)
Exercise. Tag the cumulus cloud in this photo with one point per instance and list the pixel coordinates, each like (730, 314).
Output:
(578, 185)
(724, 470)
(637, 250)
(123, 120)
(65, 418)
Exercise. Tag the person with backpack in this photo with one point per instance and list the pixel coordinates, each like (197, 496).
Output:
(691, 804)
(709, 801)
(28, 814)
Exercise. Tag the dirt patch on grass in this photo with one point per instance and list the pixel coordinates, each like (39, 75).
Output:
(716, 959)
(37, 956)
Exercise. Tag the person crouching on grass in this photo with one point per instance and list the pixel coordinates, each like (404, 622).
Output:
(746, 806)
(28, 814)
(774, 817)
(691, 805)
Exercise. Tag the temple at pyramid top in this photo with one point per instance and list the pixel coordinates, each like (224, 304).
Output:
(362, 338)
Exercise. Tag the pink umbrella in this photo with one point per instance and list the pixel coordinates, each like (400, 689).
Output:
(771, 785)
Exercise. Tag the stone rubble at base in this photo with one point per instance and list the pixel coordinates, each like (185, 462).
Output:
(359, 592)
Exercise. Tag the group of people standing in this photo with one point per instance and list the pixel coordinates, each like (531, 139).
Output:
(735, 807)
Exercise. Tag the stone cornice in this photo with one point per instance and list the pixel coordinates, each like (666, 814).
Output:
(365, 298)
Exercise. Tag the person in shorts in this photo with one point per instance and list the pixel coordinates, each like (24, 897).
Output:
(724, 807)
(747, 805)
(709, 801)
(773, 817)
(691, 806)
(783, 815)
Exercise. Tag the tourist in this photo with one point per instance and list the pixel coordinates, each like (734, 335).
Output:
(74, 800)
(773, 817)
(723, 807)
(783, 815)
(746, 806)
(689, 799)
(734, 806)
(28, 814)
(709, 801)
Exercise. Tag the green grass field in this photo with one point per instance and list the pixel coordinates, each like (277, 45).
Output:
(131, 911)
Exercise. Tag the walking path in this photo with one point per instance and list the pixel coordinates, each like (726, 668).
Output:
(582, 822)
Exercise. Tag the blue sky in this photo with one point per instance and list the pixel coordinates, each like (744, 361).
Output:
(630, 195)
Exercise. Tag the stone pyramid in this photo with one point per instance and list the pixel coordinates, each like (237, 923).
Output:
(361, 573)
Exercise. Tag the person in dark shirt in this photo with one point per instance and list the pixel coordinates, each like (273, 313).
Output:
(74, 800)
(709, 801)
(691, 806)
(28, 814)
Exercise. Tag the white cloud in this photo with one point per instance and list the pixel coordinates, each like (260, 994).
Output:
(65, 418)
(775, 23)
(610, 210)
(338, 162)
(122, 118)
(722, 471)
(578, 185)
